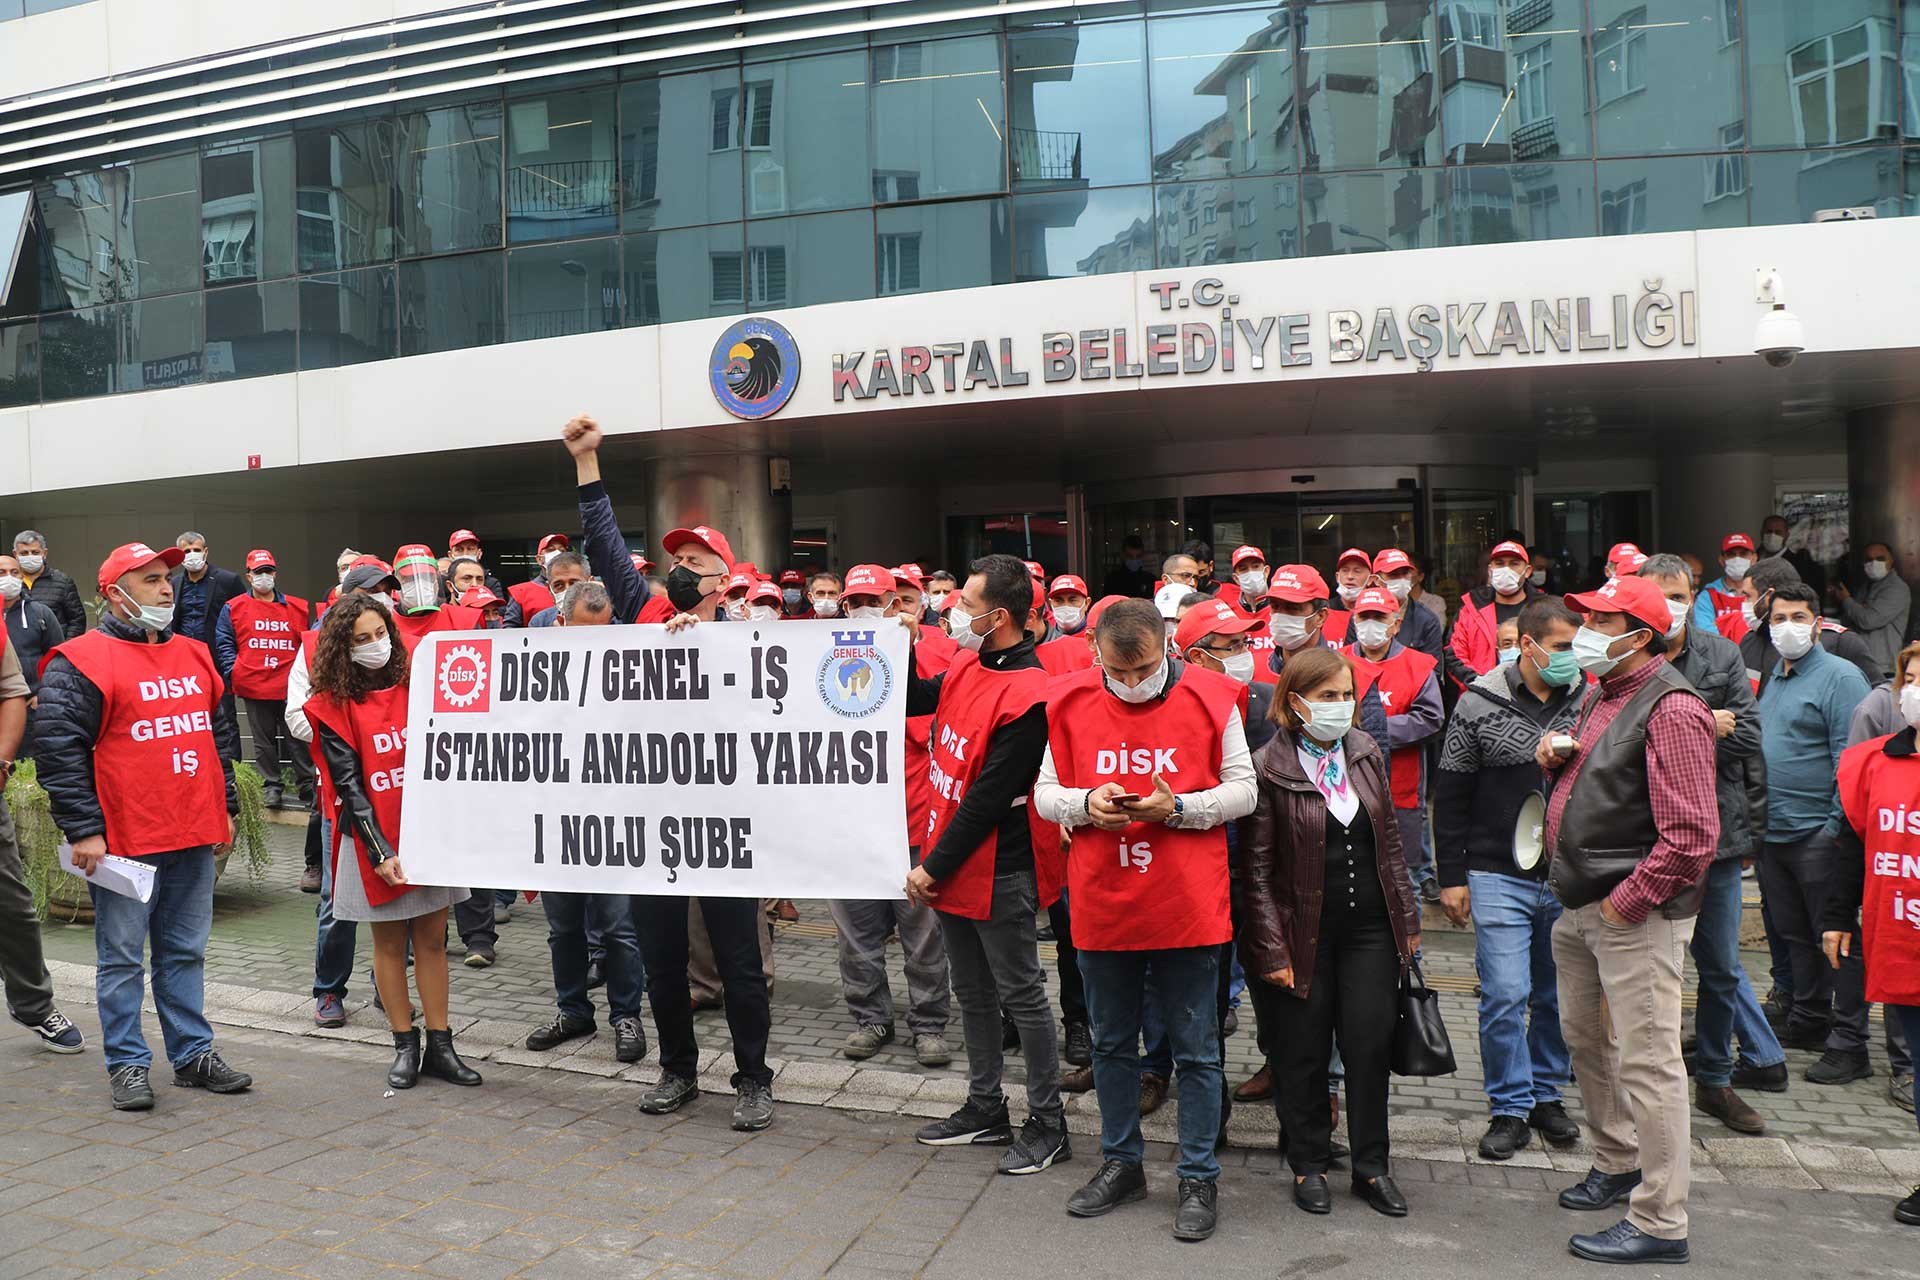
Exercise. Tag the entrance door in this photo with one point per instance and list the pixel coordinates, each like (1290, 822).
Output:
(1305, 528)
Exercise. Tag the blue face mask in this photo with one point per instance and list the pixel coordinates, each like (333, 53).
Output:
(1561, 670)
(1510, 656)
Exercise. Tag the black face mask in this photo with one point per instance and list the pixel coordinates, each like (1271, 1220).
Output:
(683, 589)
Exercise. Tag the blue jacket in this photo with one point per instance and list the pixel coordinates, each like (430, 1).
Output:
(1704, 619)
(36, 631)
(1805, 718)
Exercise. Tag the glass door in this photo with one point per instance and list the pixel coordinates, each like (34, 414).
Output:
(1305, 528)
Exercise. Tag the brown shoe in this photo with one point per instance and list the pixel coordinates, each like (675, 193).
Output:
(1078, 1080)
(1256, 1088)
(785, 910)
(1153, 1093)
(1729, 1109)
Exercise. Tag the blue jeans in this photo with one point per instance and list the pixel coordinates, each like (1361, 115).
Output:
(177, 920)
(1414, 847)
(1156, 1047)
(1728, 1007)
(1524, 1057)
(569, 916)
(1187, 980)
(1909, 1016)
(334, 940)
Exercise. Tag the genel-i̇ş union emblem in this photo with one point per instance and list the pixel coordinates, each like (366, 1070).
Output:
(854, 677)
(754, 368)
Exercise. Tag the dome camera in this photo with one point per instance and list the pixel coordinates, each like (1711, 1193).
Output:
(1779, 337)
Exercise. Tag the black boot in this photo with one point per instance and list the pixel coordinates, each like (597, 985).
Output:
(406, 1060)
(440, 1060)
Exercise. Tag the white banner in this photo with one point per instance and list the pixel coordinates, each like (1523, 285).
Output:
(732, 760)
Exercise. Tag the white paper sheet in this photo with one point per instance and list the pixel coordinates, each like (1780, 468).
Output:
(128, 877)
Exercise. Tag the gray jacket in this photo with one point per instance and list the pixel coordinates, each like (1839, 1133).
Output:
(1715, 668)
(1878, 611)
(1877, 716)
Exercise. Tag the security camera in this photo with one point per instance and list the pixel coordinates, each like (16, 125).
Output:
(1779, 337)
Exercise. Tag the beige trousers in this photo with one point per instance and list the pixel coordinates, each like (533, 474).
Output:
(703, 975)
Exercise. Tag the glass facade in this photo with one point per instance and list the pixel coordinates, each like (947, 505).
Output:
(1032, 147)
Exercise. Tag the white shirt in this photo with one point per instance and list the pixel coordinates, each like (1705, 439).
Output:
(299, 685)
(1233, 798)
(1341, 806)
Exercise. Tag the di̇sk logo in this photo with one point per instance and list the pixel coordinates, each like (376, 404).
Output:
(854, 677)
(464, 680)
(754, 368)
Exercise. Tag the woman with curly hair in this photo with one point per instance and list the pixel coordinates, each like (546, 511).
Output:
(358, 709)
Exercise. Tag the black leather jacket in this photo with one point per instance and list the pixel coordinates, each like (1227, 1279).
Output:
(350, 790)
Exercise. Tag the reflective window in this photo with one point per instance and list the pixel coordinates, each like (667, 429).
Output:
(1371, 212)
(559, 289)
(1374, 101)
(680, 150)
(251, 330)
(1222, 89)
(1792, 186)
(348, 318)
(1232, 220)
(685, 275)
(805, 134)
(159, 236)
(447, 304)
(939, 120)
(1082, 233)
(1825, 74)
(942, 246)
(562, 169)
(246, 210)
(1666, 74)
(797, 262)
(1078, 98)
(23, 296)
(1514, 80)
(160, 344)
(1910, 69)
(79, 353)
(1666, 193)
(19, 363)
(1495, 204)
(76, 215)
(447, 174)
(343, 194)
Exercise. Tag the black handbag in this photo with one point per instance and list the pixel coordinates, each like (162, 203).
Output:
(1421, 1046)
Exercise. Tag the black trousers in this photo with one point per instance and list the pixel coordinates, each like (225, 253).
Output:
(732, 925)
(474, 919)
(272, 744)
(1797, 879)
(1073, 987)
(1356, 981)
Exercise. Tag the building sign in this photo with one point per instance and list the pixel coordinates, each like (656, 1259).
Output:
(754, 368)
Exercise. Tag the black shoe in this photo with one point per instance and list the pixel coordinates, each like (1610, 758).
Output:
(57, 1032)
(629, 1039)
(271, 798)
(1078, 1049)
(1804, 1035)
(1230, 1023)
(1041, 1145)
(596, 974)
(209, 1072)
(1381, 1195)
(753, 1108)
(1777, 1009)
(563, 1028)
(970, 1126)
(1009, 1034)
(1116, 1183)
(1600, 1190)
(440, 1061)
(1199, 1210)
(1504, 1136)
(1907, 1211)
(1044, 933)
(1771, 1079)
(405, 1071)
(480, 956)
(1312, 1193)
(1624, 1242)
(1430, 892)
(1554, 1124)
(1838, 1066)
(132, 1091)
(668, 1094)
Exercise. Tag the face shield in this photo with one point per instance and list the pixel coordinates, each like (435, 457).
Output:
(419, 573)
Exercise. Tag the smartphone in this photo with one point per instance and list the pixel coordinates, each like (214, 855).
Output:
(1124, 798)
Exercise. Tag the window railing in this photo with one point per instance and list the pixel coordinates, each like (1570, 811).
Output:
(562, 189)
(1045, 155)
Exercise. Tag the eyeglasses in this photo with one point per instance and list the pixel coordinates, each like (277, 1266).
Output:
(1187, 577)
(1233, 648)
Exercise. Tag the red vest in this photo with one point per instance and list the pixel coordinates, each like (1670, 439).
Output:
(1726, 607)
(1065, 656)
(1146, 887)
(1335, 631)
(375, 727)
(156, 768)
(1400, 679)
(532, 597)
(656, 609)
(1881, 796)
(448, 617)
(975, 702)
(933, 653)
(266, 635)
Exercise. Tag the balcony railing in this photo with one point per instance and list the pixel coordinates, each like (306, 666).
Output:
(1045, 155)
(564, 189)
(1535, 139)
(1527, 15)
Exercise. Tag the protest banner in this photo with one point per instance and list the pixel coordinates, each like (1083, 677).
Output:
(730, 760)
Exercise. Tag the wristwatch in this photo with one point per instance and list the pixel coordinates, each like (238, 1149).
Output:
(1179, 813)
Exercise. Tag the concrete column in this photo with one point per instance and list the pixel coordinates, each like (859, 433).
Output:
(1883, 480)
(725, 491)
(1706, 496)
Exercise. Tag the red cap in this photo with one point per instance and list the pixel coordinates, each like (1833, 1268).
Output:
(1037, 570)
(1354, 553)
(1099, 607)
(135, 555)
(1620, 549)
(739, 582)
(1513, 549)
(1375, 600)
(1297, 584)
(764, 590)
(641, 565)
(1210, 617)
(911, 574)
(376, 561)
(1246, 553)
(1735, 542)
(416, 551)
(792, 577)
(1392, 560)
(1630, 562)
(1067, 582)
(1039, 595)
(259, 559)
(704, 538)
(868, 580)
(478, 598)
(1636, 596)
(559, 540)
(459, 536)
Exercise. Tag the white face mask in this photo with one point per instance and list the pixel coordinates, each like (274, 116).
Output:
(936, 598)
(826, 608)
(1678, 623)
(1910, 704)
(867, 611)
(1326, 721)
(1348, 594)
(1253, 583)
(1875, 570)
(1590, 650)
(1794, 640)
(373, 653)
(1401, 588)
(1371, 631)
(153, 617)
(1146, 691)
(546, 557)
(418, 593)
(1538, 577)
(1289, 632)
(1239, 667)
(194, 561)
(1775, 543)
(1068, 616)
(263, 581)
(1504, 581)
(1736, 567)
(32, 564)
(762, 613)
(11, 587)
(1748, 616)
(737, 609)
(960, 627)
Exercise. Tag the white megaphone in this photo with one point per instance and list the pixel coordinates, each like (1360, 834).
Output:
(1529, 833)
